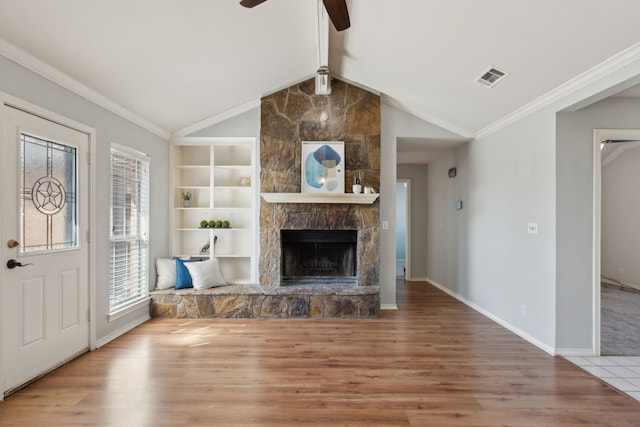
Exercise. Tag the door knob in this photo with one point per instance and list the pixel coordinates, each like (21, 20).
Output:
(12, 263)
(12, 243)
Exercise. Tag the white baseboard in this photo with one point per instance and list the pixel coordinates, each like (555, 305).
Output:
(121, 331)
(417, 279)
(388, 307)
(542, 346)
(568, 352)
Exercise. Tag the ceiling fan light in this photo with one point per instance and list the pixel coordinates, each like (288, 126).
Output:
(323, 81)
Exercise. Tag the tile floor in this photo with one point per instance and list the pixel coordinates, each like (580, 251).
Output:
(621, 372)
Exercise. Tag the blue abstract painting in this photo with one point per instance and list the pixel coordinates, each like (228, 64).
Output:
(322, 167)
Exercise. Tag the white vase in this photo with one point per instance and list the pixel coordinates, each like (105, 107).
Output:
(186, 203)
(357, 188)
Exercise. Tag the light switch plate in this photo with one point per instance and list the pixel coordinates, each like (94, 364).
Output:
(532, 228)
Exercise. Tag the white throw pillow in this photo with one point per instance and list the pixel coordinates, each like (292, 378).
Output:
(205, 274)
(166, 271)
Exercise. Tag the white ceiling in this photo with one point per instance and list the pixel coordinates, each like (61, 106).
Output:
(174, 63)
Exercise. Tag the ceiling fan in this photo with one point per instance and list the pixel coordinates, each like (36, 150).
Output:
(336, 9)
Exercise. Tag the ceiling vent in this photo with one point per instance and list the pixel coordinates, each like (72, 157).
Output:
(491, 77)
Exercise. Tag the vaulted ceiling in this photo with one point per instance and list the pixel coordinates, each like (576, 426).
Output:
(174, 63)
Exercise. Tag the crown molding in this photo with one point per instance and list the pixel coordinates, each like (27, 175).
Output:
(30, 62)
(605, 68)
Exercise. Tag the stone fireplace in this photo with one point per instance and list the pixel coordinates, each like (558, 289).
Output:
(296, 114)
(289, 117)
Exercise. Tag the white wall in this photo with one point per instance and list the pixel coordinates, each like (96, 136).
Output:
(26, 85)
(620, 217)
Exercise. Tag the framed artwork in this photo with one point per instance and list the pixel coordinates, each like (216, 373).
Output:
(323, 167)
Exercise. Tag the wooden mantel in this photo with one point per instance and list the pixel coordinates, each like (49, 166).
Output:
(361, 199)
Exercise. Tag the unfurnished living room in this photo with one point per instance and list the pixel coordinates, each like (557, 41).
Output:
(320, 212)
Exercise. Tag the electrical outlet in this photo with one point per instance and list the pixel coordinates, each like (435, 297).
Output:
(621, 270)
(524, 310)
(385, 225)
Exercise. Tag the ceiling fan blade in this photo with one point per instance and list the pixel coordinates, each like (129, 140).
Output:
(337, 10)
(251, 3)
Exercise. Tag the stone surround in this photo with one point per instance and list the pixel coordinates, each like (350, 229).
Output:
(254, 301)
(296, 114)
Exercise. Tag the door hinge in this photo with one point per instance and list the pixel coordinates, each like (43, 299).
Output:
(88, 236)
(89, 315)
(89, 158)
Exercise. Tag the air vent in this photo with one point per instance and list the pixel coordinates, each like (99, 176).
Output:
(491, 77)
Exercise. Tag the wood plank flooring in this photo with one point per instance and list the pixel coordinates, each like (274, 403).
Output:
(433, 363)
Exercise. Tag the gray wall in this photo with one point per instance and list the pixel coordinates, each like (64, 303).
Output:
(620, 216)
(574, 193)
(505, 181)
(418, 175)
(529, 172)
(575, 212)
(401, 221)
(28, 86)
(446, 227)
(396, 124)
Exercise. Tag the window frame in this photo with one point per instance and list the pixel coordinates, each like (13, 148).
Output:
(135, 281)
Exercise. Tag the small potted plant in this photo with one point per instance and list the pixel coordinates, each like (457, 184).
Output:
(357, 183)
(186, 199)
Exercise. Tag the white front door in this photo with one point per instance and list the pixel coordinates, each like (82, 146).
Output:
(45, 262)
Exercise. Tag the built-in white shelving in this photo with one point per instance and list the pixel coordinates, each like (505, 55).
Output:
(220, 174)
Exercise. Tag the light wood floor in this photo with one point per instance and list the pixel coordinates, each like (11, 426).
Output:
(433, 363)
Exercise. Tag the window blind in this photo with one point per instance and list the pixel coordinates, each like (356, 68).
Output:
(129, 237)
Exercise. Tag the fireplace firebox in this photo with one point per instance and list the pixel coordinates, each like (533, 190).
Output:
(319, 256)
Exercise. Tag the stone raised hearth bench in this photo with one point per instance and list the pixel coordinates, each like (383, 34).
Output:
(255, 301)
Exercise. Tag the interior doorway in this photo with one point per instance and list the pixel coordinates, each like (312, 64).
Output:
(403, 228)
(616, 243)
